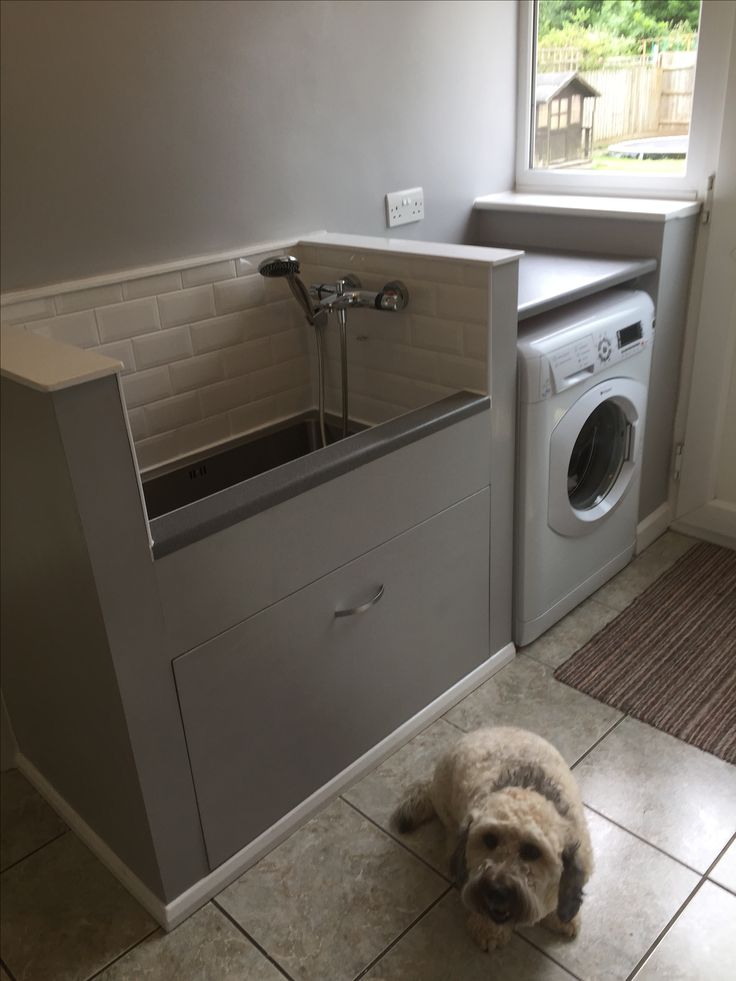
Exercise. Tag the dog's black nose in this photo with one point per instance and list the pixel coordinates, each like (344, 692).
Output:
(499, 901)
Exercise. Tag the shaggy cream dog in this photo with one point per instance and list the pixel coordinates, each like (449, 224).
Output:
(521, 849)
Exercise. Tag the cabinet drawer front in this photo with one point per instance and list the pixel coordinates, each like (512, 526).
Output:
(277, 706)
(217, 582)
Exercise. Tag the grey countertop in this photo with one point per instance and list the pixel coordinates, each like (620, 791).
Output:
(211, 514)
(549, 279)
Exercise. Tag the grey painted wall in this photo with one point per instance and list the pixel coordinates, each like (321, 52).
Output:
(139, 132)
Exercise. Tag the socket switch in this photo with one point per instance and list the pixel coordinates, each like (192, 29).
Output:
(403, 207)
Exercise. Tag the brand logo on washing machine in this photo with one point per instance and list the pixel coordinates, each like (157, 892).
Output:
(605, 391)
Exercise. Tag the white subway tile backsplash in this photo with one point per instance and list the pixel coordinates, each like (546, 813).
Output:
(152, 285)
(156, 450)
(288, 344)
(226, 395)
(127, 319)
(218, 350)
(186, 306)
(213, 272)
(79, 329)
(439, 335)
(138, 423)
(239, 294)
(123, 351)
(251, 356)
(464, 373)
(172, 413)
(208, 432)
(146, 386)
(434, 270)
(475, 343)
(219, 332)
(269, 381)
(463, 303)
(163, 347)
(197, 372)
(27, 310)
(99, 296)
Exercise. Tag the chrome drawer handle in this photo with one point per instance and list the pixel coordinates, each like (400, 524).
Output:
(363, 608)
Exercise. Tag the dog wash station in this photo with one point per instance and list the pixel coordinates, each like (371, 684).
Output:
(204, 674)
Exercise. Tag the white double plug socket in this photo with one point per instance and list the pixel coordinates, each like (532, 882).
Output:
(403, 207)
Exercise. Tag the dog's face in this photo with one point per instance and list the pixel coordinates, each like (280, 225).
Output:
(510, 861)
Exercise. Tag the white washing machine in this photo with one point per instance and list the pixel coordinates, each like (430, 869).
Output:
(583, 379)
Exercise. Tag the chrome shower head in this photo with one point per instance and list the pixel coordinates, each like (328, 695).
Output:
(279, 265)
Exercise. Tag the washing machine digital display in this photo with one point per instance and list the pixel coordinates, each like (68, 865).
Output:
(629, 335)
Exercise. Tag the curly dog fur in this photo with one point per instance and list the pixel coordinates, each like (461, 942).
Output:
(521, 851)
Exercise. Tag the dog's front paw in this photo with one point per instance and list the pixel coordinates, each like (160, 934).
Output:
(486, 934)
(554, 923)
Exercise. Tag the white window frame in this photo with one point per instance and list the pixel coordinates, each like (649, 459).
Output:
(714, 48)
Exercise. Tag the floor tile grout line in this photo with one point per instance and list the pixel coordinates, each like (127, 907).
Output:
(541, 950)
(644, 841)
(262, 950)
(599, 740)
(665, 930)
(35, 851)
(7, 970)
(125, 953)
(398, 841)
(403, 933)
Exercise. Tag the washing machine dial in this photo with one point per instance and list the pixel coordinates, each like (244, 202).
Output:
(604, 349)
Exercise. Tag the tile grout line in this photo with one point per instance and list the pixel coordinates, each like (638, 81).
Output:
(35, 851)
(598, 741)
(544, 953)
(401, 936)
(7, 970)
(262, 950)
(644, 841)
(125, 953)
(663, 933)
(397, 841)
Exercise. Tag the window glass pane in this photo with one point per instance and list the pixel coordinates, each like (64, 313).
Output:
(542, 114)
(619, 77)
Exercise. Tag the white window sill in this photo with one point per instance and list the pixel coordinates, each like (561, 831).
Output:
(639, 209)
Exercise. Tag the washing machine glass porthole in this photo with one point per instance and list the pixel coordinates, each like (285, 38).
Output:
(597, 457)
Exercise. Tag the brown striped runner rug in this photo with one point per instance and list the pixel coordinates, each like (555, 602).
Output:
(670, 658)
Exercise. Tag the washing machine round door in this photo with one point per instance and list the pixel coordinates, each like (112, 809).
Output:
(594, 454)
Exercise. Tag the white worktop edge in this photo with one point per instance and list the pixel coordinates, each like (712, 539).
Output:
(636, 209)
(49, 366)
(419, 249)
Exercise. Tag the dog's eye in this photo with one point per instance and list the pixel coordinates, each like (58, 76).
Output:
(490, 841)
(529, 852)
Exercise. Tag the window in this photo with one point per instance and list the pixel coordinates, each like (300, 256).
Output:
(626, 95)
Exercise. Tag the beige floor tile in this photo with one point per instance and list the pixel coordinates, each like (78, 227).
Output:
(632, 895)
(724, 872)
(699, 944)
(674, 795)
(439, 948)
(26, 820)
(619, 592)
(525, 694)
(206, 947)
(560, 642)
(379, 793)
(64, 916)
(328, 900)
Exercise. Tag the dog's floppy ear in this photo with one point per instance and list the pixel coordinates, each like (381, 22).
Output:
(570, 896)
(458, 864)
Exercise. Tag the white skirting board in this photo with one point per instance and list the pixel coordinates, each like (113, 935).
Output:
(714, 522)
(650, 528)
(170, 915)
